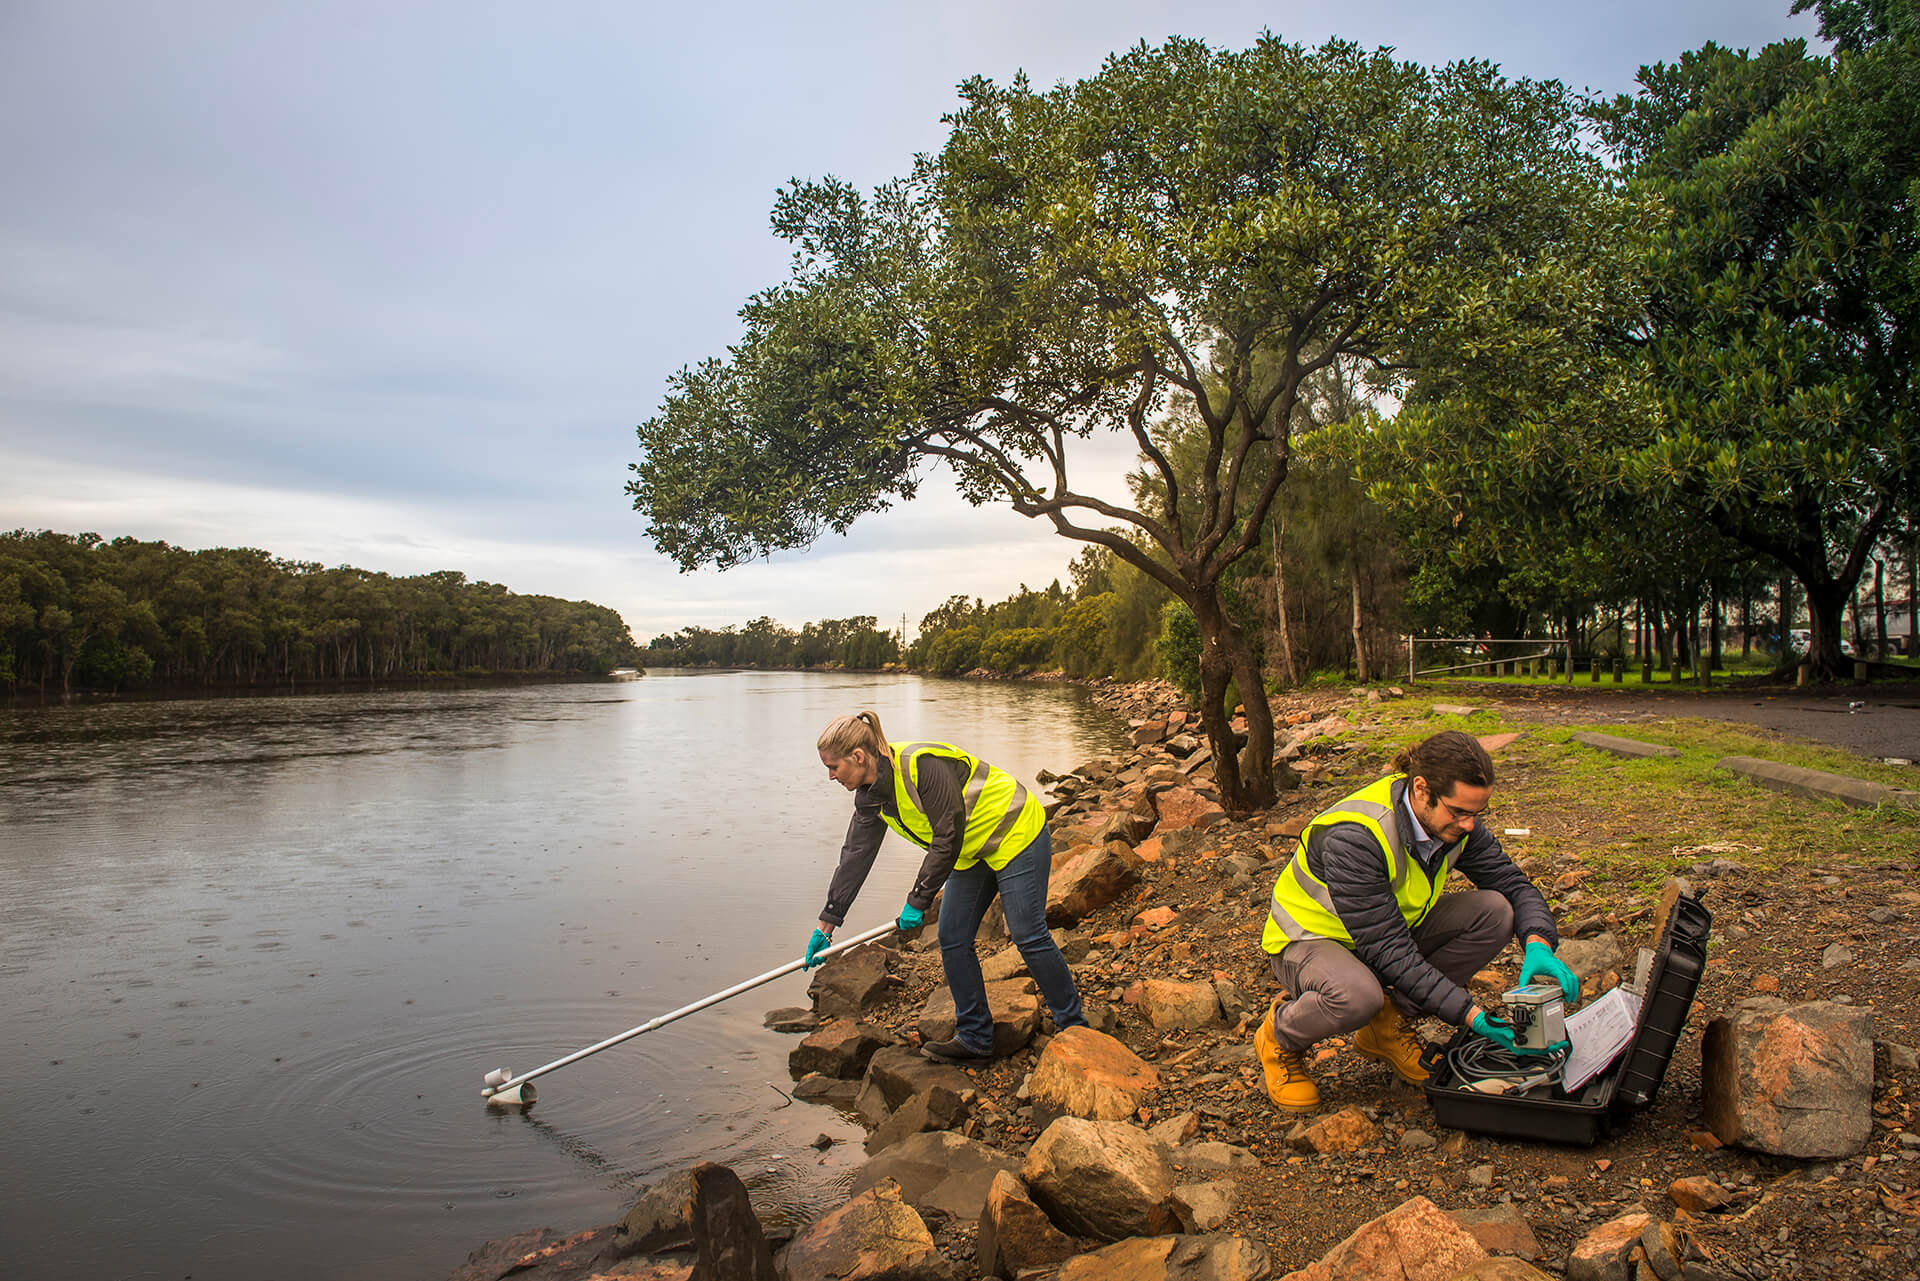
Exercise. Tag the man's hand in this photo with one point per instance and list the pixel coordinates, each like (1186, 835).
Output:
(909, 920)
(1495, 1029)
(820, 942)
(1541, 962)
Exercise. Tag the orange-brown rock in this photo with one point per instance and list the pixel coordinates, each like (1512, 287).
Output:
(1089, 1074)
(1603, 1253)
(1697, 1194)
(1501, 1229)
(1347, 1130)
(1015, 1234)
(1415, 1241)
(1173, 1003)
(1180, 808)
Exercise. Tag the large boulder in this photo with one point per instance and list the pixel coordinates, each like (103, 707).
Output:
(852, 983)
(1102, 1179)
(1015, 1234)
(1590, 959)
(1170, 1003)
(938, 1172)
(703, 1210)
(1014, 1005)
(1791, 1080)
(1179, 808)
(1090, 881)
(841, 1049)
(1415, 1241)
(899, 1073)
(875, 1235)
(1173, 1258)
(1088, 1074)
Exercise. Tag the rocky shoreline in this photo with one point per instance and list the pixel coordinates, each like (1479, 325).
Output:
(1144, 1147)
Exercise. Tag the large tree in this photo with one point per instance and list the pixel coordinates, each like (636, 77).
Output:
(1187, 225)
(1781, 329)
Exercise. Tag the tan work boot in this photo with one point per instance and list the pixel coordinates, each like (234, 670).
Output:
(1392, 1040)
(1288, 1084)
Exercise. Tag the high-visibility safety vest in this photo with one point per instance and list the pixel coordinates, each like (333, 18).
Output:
(1002, 818)
(1303, 906)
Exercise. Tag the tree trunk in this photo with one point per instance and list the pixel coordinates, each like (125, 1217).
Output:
(1359, 629)
(1746, 625)
(1287, 670)
(1880, 610)
(1826, 613)
(1245, 779)
(1713, 627)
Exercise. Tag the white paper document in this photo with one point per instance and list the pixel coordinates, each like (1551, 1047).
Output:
(1599, 1032)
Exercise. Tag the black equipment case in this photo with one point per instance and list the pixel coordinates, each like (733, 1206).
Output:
(1626, 1086)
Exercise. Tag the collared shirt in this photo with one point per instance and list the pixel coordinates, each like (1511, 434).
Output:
(1422, 843)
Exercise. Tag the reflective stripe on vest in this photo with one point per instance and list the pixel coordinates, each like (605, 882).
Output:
(1303, 906)
(1000, 817)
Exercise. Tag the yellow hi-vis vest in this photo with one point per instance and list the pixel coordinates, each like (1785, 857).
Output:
(1302, 905)
(1002, 818)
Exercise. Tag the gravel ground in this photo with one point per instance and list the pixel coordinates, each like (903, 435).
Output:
(1859, 1217)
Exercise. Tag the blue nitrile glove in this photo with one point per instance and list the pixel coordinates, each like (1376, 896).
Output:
(1540, 961)
(820, 941)
(910, 919)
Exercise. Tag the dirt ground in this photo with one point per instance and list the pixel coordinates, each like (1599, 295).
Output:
(1857, 1217)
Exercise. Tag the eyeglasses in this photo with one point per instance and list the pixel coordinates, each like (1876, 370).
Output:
(1460, 815)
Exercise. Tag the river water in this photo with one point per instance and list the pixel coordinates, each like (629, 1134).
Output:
(256, 954)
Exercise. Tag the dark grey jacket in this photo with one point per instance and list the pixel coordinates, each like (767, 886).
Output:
(940, 791)
(1348, 860)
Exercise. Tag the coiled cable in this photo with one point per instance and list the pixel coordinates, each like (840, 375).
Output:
(1491, 1068)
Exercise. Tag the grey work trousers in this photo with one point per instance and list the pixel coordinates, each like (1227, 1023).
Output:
(1334, 992)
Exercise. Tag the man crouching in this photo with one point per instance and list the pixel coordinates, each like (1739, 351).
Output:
(1362, 938)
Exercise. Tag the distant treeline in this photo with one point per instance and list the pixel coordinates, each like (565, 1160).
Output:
(1108, 624)
(79, 611)
(836, 642)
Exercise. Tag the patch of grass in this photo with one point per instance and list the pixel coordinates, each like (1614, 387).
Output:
(1636, 822)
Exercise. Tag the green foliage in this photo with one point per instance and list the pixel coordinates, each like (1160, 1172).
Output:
(1178, 648)
(1188, 227)
(1019, 649)
(1784, 293)
(77, 610)
(954, 651)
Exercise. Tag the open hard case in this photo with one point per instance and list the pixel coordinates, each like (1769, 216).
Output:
(1628, 1085)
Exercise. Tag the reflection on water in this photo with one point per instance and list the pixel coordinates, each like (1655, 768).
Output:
(256, 954)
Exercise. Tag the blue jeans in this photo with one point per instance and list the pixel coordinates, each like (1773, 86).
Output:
(1022, 887)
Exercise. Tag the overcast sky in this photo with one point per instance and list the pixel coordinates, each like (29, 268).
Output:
(390, 284)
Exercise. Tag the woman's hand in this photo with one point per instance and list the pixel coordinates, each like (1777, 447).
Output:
(822, 939)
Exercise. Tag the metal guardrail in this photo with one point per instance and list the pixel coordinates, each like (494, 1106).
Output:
(1554, 648)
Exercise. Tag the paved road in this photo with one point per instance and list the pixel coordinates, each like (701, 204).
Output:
(1885, 723)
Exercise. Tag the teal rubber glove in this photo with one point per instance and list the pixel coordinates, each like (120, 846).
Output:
(820, 942)
(1495, 1029)
(910, 919)
(1500, 1032)
(1541, 962)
